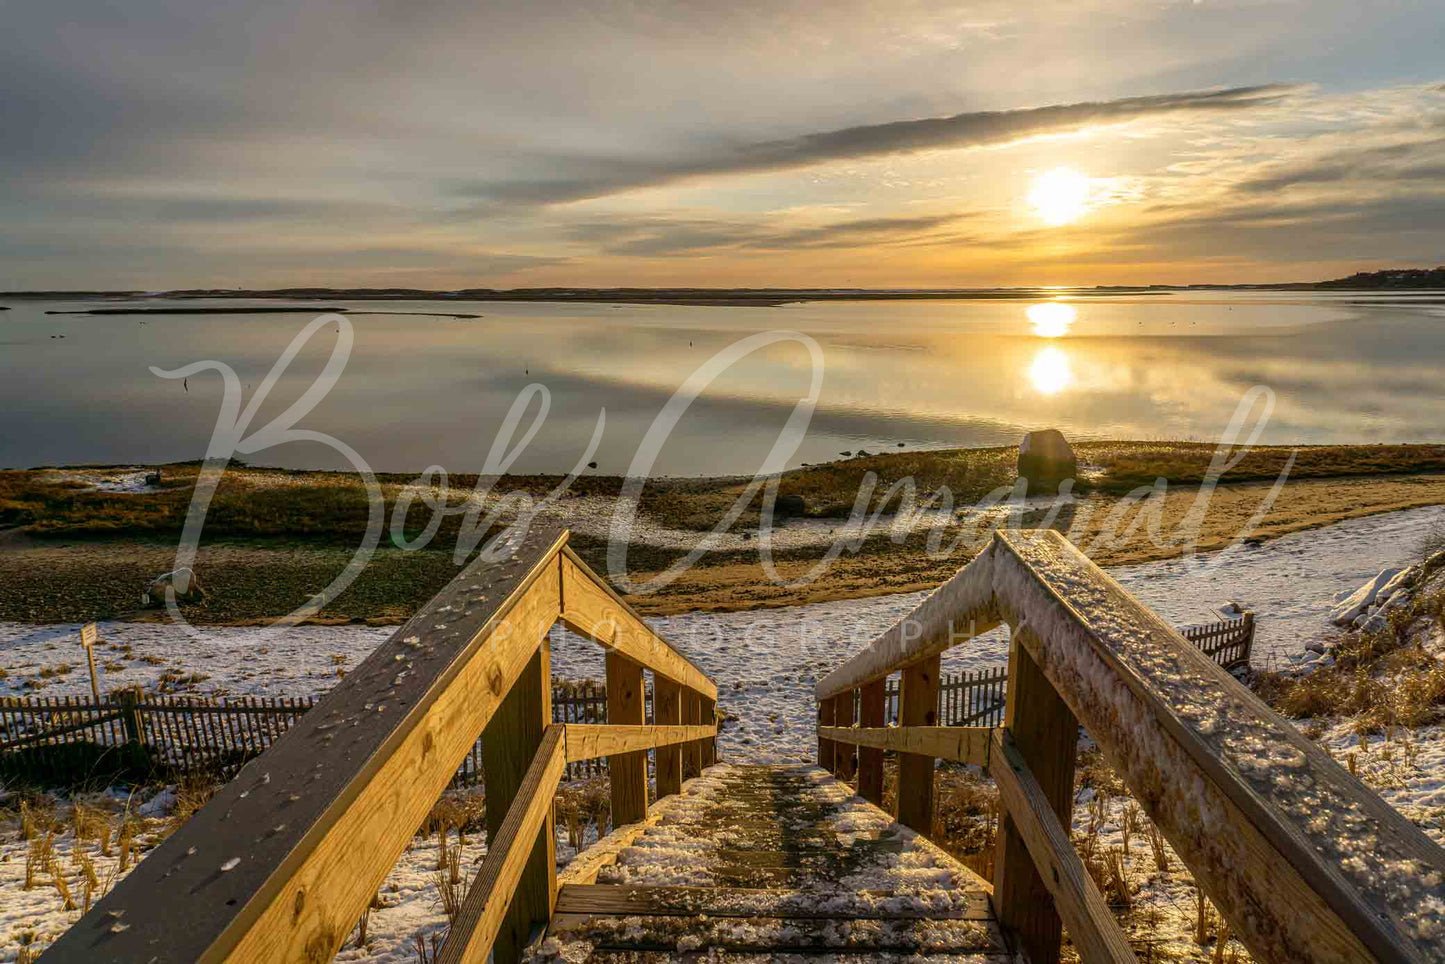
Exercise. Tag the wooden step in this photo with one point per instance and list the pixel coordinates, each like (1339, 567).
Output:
(775, 859)
(617, 900)
(772, 935)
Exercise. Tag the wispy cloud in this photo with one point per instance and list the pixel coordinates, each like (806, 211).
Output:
(670, 237)
(602, 177)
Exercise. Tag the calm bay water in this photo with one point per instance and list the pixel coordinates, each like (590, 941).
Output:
(1345, 367)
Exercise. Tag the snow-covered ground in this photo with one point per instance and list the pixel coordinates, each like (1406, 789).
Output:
(765, 662)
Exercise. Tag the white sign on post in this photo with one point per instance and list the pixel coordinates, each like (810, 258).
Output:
(89, 633)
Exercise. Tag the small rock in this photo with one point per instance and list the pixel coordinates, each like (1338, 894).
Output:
(1375, 624)
(1398, 600)
(1315, 646)
(788, 506)
(1351, 608)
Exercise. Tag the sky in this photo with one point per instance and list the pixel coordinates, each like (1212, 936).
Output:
(155, 144)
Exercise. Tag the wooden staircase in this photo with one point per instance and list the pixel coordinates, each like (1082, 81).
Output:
(1304, 861)
(770, 861)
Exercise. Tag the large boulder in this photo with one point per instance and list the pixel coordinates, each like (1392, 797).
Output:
(1046, 459)
(183, 581)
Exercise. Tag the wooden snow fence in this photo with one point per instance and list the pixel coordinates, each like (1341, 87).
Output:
(74, 741)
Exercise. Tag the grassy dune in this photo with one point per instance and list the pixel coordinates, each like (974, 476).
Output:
(332, 506)
(69, 551)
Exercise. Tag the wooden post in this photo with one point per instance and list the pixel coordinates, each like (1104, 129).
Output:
(917, 706)
(843, 753)
(89, 633)
(130, 718)
(709, 745)
(509, 742)
(691, 715)
(667, 709)
(872, 699)
(1047, 737)
(825, 747)
(625, 706)
(1249, 638)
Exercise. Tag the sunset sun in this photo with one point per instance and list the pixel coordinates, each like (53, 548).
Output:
(1060, 195)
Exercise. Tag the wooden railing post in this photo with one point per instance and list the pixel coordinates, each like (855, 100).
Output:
(628, 770)
(917, 706)
(709, 745)
(870, 760)
(509, 742)
(843, 754)
(825, 747)
(667, 709)
(1046, 735)
(692, 716)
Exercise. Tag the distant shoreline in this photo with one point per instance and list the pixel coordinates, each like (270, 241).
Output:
(1389, 280)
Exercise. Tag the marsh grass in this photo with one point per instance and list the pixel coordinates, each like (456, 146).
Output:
(332, 507)
(582, 806)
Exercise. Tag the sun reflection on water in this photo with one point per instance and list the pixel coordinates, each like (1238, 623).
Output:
(1050, 371)
(1051, 319)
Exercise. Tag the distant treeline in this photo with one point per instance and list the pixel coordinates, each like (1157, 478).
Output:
(1391, 278)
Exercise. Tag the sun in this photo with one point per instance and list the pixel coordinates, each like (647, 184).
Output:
(1050, 372)
(1060, 195)
(1051, 319)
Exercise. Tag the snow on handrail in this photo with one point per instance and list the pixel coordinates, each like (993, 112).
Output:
(1304, 860)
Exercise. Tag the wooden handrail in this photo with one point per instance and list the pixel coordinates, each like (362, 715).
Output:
(587, 741)
(1091, 926)
(280, 864)
(1304, 860)
(960, 744)
(470, 938)
(951, 615)
(593, 609)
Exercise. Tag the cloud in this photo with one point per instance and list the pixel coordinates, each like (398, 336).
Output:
(1421, 160)
(602, 177)
(672, 237)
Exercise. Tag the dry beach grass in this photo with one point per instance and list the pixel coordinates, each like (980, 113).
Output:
(73, 551)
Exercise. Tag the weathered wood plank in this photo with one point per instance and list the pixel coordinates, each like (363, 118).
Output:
(871, 701)
(1092, 928)
(707, 748)
(825, 745)
(281, 862)
(691, 752)
(623, 901)
(917, 706)
(627, 770)
(587, 741)
(667, 711)
(1044, 734)
(604, 853)
(1282, 855)
(957, 611)
(843, 756)
(959, 744)
(509, 746)
(509, 856)
(594, 610)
